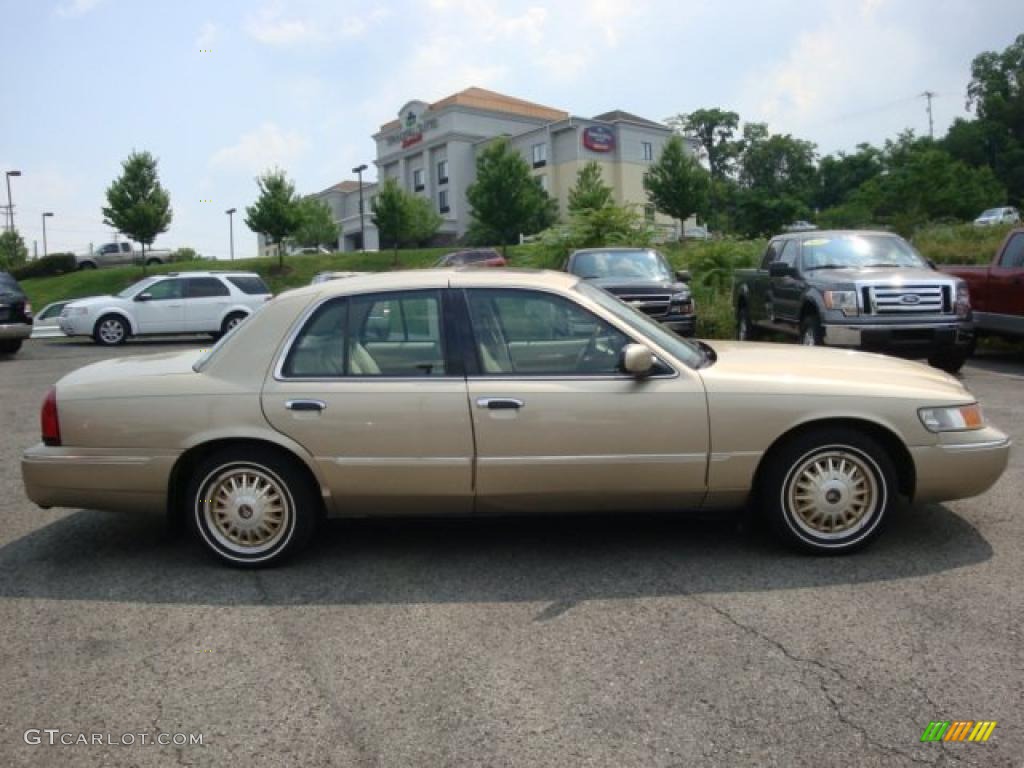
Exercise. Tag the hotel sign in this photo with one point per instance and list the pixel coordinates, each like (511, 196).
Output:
(597, 138)
(413, 128)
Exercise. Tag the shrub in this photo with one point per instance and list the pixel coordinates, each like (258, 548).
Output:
(184, 254)
(48, 266)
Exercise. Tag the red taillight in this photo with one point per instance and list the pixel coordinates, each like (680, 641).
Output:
(49, 419)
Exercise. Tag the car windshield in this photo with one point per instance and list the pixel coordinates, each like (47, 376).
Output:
(134, 288)
(641, 264)
(990, 213)
(856, 251)
(685, 351)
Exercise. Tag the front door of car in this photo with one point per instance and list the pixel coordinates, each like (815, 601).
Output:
(788, 291)
(206, 301)
(160, 308)
(1006, 279)
(559, 427)
(370, 388)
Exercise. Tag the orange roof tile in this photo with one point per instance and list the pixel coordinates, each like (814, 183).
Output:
(481, 98)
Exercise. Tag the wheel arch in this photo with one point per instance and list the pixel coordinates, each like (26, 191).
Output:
(133, 327)
(906, 475)
(186, 463)
(236, 309)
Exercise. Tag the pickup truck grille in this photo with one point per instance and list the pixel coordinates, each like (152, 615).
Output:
(650, 304)
(908, 300)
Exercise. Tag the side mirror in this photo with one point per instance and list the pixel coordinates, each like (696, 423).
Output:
(637, 359)
(144, 297)
(931, 264)
(683, 275)
(779, 269)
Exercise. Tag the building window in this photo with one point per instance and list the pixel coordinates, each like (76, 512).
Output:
(542, 179)
(442, 201)
(442, 172)
(648, 151)
(649, 213)
(540, 155)
(417, 180)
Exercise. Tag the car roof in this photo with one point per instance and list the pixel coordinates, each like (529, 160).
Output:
(831, 232)
(614, 249)
(458, 277)
(209, 273)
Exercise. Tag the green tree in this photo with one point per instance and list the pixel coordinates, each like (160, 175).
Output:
(316, 224)
(840, 175)
(714, 129)
(506, 200)
(424, 221)
(594, 227)
(137, 204)
(590, 192)
(776, 180)
(276, 213)
(391, 215)
(13, 252)
(185, 254)
(676, 183)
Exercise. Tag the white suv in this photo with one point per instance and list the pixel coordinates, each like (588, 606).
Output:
(175, 303)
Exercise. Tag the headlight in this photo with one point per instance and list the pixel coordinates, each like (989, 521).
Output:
(842, 300)
(962, 307)
(679, 297)
(952, 419)
(75, 311)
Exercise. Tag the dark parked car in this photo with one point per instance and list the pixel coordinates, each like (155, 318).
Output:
(869, 290)
(995, 288)
(15, 315)
(477, 257)
(643, 278)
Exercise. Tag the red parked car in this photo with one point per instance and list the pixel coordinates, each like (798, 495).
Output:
(997, 290)
(477, 257)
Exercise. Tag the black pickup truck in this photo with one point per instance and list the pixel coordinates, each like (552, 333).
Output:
(15, 315)
(868, 290)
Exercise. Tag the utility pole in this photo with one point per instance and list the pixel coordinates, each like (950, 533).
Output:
(231, 230)
(45, 216)
(358, 170)
(931, 128)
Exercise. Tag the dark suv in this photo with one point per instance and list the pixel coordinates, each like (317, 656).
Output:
(15, 315)
(642, 278)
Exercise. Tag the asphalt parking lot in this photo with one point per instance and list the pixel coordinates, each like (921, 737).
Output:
(599, 642)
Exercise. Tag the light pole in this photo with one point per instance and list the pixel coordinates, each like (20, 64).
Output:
(10, 205)
(231, 229)
(358, 170)
(45, 216)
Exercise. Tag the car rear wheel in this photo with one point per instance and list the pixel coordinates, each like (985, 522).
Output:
(745, 331)
(811, 332)
(10, 346)
(231, 321)
(87, 265)
(110, 331)
(151, 262)
(252, 507)
(828, 491)
(949, 360)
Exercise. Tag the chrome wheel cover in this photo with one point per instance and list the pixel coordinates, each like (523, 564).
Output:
(247, 510)
(833, 493)
(111, 331)
(233, 321)
(742, 330)
(809, 339)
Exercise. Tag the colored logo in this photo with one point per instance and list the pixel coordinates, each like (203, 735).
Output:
(910, 298)
(958, 730)
(410, 119)
(597, 138)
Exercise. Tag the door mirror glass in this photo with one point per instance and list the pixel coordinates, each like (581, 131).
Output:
(683, 275)
(145, 296)
(637, 359)
(780, 269)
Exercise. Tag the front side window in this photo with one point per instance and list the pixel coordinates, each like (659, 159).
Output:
(788, 254)
(1013, 256)
(164, 290)
(531, 333)
(205, 288)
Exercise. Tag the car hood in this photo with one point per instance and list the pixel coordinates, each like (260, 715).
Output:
(95, 301)
(120, 374)
(764, 368)
(641, 286)
(895, 275)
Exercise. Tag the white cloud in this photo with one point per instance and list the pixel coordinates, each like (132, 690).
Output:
(74, 8)
(263, 148)
(207, 37)
(271, 26)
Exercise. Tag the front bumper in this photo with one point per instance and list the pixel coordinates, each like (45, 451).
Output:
(94, 478)
(684, 325)
(75, 326)
(911, 337)
(961, 465)
(14, 331)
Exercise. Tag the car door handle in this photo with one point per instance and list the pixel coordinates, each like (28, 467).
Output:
(500, 403)
(305, 405)
(174, 306)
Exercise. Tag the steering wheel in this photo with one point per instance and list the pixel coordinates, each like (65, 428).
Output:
(591, 343)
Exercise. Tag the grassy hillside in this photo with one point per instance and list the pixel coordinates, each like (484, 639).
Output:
(959, 243)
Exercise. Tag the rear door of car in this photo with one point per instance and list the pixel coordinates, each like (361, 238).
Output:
(206, 300)
(374, 389)
(559, 427)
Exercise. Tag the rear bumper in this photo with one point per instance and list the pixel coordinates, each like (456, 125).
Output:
(958, 470)
(13, 331)
(911, 337)
(107, 479)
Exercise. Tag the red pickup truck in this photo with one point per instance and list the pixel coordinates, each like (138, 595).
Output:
(997, 291)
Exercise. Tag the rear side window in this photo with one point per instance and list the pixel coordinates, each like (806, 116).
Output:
(204, 288)
(254, 286)
(1013, 256)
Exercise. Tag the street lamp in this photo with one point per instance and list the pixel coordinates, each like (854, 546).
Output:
(358, 170)
(45, 216)
(10, 205)
(231, 229)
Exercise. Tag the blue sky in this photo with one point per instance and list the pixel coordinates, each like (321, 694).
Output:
(303, 84)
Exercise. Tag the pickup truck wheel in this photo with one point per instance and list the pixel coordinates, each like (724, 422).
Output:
(949, 360)
(811, 332)
(151, 262)
(110, 331)
(10, 346)
(87, 265)
(828, 491)
(745, 330)
(251, 507)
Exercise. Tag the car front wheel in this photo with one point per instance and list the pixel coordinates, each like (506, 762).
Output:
(252, 507)
(110, 331)
(9, 347)
(811, 332)
(828, 491)
(745, 330)
(949, 360)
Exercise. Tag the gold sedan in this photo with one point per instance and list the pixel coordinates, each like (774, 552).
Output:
(477, 392)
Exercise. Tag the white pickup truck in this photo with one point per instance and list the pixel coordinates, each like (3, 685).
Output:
(120, 255)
